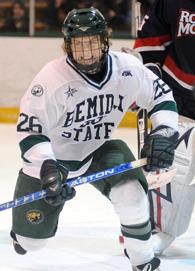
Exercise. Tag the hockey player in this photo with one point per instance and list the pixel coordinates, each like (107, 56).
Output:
(165, 44)
(66, 121)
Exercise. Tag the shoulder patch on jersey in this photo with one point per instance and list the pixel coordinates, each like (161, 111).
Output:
(70, 92)
(37, 90)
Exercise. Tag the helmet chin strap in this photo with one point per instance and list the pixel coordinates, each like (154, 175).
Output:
(99, 76)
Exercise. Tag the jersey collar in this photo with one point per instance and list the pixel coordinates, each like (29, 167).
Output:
(90, 81)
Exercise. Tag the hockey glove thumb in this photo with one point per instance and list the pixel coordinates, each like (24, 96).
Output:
(159, 148)
(52, 175)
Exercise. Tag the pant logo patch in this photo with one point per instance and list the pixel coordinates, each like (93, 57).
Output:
(34, 216)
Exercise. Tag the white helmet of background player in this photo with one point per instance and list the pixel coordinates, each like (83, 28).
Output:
(86, 39)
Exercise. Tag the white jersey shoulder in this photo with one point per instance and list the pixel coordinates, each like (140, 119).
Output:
(124, 60)
(51, 77)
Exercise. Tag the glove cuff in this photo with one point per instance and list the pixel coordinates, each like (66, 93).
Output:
(52, 166)
(165, 131)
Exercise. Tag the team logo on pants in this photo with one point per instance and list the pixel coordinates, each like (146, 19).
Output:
(34, 216)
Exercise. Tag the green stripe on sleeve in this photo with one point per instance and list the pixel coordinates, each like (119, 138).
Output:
(166, 105)
(28, 142)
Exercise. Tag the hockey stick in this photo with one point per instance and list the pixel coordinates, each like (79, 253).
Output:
(142, 120)
(142, 129)
(75, 182)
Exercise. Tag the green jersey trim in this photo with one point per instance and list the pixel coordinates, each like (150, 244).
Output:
(166, 105)
(28, 142)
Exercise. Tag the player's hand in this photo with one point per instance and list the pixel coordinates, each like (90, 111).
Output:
(52, 175)
(159, 148)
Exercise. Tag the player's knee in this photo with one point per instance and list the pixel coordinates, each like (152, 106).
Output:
(23, 244)
(130, 202)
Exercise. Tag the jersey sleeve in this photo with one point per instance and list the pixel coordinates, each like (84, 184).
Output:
(154, 35)
(33, 128)
(156, 96)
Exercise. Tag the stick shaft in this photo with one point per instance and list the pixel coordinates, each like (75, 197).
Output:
(75, 182)
(142, 129)
(142, 124)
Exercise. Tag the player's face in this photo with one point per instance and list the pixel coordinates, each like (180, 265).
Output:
(87, 49)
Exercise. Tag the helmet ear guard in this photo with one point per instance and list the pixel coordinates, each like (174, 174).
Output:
(86, 22)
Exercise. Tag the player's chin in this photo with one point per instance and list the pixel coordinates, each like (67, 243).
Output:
(88, 62)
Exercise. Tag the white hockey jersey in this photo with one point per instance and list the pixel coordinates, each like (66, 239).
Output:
(66, 116)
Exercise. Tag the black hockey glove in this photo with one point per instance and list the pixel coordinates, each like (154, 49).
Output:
(159, 148)
(52, 175)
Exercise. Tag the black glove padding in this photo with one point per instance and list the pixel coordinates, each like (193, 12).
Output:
(52, 175)
(159, 147)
